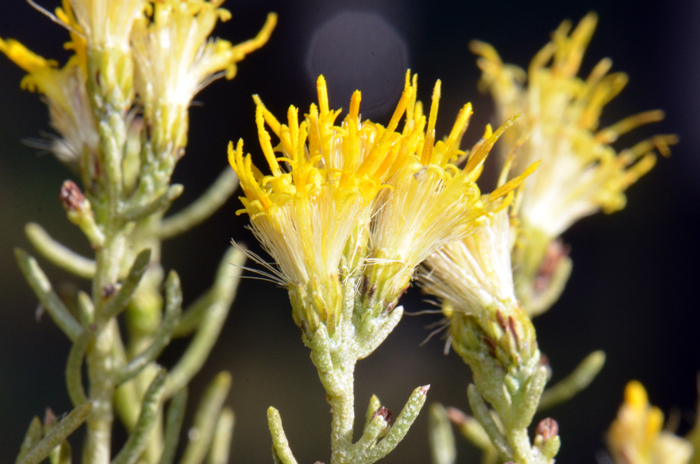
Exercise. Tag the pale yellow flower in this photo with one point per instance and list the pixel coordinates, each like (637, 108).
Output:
(581, 172)
(431, 201)
(175, 58)
(635, 437)
(473, 276)
(475, 272)
(66, 95)
(106, 24)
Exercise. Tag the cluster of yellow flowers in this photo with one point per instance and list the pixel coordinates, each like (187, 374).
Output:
(349, 210)
(374, 198)
(581, 172)
(160, 51)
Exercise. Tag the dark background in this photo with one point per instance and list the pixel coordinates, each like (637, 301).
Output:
(633, 291)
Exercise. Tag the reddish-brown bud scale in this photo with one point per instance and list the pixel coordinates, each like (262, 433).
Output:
(556, 252)
(109, 290)
(501, 320)
(72, 197)
(548, 428)
(384, 412)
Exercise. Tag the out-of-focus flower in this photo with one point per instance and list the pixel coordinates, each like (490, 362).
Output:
(175, 58)
(635, 437)
(101, 35)
(66, 95)
(105, 24)
(474, 274)
(581, 172)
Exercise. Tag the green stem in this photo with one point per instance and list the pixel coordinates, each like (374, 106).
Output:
(102, 383)
(162, 337)
(138, 440)
(441, 438)
(56, 435)
(343, 410)
(205, 419)
(403, 423)
(519, 440)
(225, 285)
(223, 434)
(74, 369)
(281, 452)
(102, 367)
(173, 425)
(48, 298)
(31, 438)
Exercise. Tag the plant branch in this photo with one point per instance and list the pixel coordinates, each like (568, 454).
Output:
(201, 433)
(173, 425)
(58, 254)
(572, 384)
(280, 444)
(400, 428)
(48, 298)
(150, 407)
(74, 368)
(223, 434)
(119, 301)
(159, 205)
(225, 285)
(57, 435)
(202, 208)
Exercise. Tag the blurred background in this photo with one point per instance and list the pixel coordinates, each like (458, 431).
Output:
(634, 287)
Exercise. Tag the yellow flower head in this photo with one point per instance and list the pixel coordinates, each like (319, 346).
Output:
(473, 278)
(635, 437)
(332, 180)
(581, 172)
(320, 189)
(175, 58)
(473, 273)
(66, 95)
(431, 201)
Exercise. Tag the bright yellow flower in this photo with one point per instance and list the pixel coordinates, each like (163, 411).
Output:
(78, 42)
(320, 189)
(174, 59)
(66, 95)
(581, 172)
(331, 181)
(635, 437)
